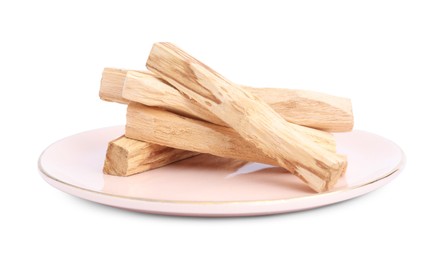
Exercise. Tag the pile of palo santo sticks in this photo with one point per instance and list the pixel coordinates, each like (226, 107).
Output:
(180, 108)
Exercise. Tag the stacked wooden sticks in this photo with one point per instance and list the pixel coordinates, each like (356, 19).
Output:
(181, 107)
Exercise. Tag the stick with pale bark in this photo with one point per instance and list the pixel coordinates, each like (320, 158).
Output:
(249, 116)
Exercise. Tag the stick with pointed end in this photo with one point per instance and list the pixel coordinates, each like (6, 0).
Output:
(249, 116)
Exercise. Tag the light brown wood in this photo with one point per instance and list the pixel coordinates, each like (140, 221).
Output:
(153, 92)
(307, 108)
(249, 116)
(144, 87)
(126, 156)
(147, 89)
(111, 86)
(162, 127)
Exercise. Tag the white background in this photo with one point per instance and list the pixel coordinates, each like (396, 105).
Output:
(389, 57)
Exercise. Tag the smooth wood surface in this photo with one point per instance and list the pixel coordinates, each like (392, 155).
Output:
(126, 156)
(249, 116)
(307, 108)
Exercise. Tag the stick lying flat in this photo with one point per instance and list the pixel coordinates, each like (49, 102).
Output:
(251, 117)
(162, 127)
(308, 108)
(158, 126)
(127, 156)
(153, 92)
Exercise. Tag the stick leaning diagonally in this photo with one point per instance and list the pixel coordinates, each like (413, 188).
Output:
(248, 115)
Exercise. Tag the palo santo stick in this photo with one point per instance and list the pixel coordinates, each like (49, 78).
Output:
(127, 156)
(147, 89)
(307, 108)
(249, 116)
(154, 92)
(155, 125)
(162, 127)
(121, 155)
(112, 82)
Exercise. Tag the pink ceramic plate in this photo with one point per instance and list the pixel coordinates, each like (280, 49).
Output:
(210, 186)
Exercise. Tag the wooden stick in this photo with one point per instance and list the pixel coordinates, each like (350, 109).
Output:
(153, 92)
(126, 156)
(251, 117)
(158, 126)
(121, 154)
(112, 82)
(164, 96)
(307, 108)
(147, 89)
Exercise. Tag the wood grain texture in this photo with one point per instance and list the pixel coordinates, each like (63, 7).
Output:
(153, 92)
(249, 116)
(126, 156)
(158, 126)
(144, 87)
(307, 108)
(140, 116)
(111, 86)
